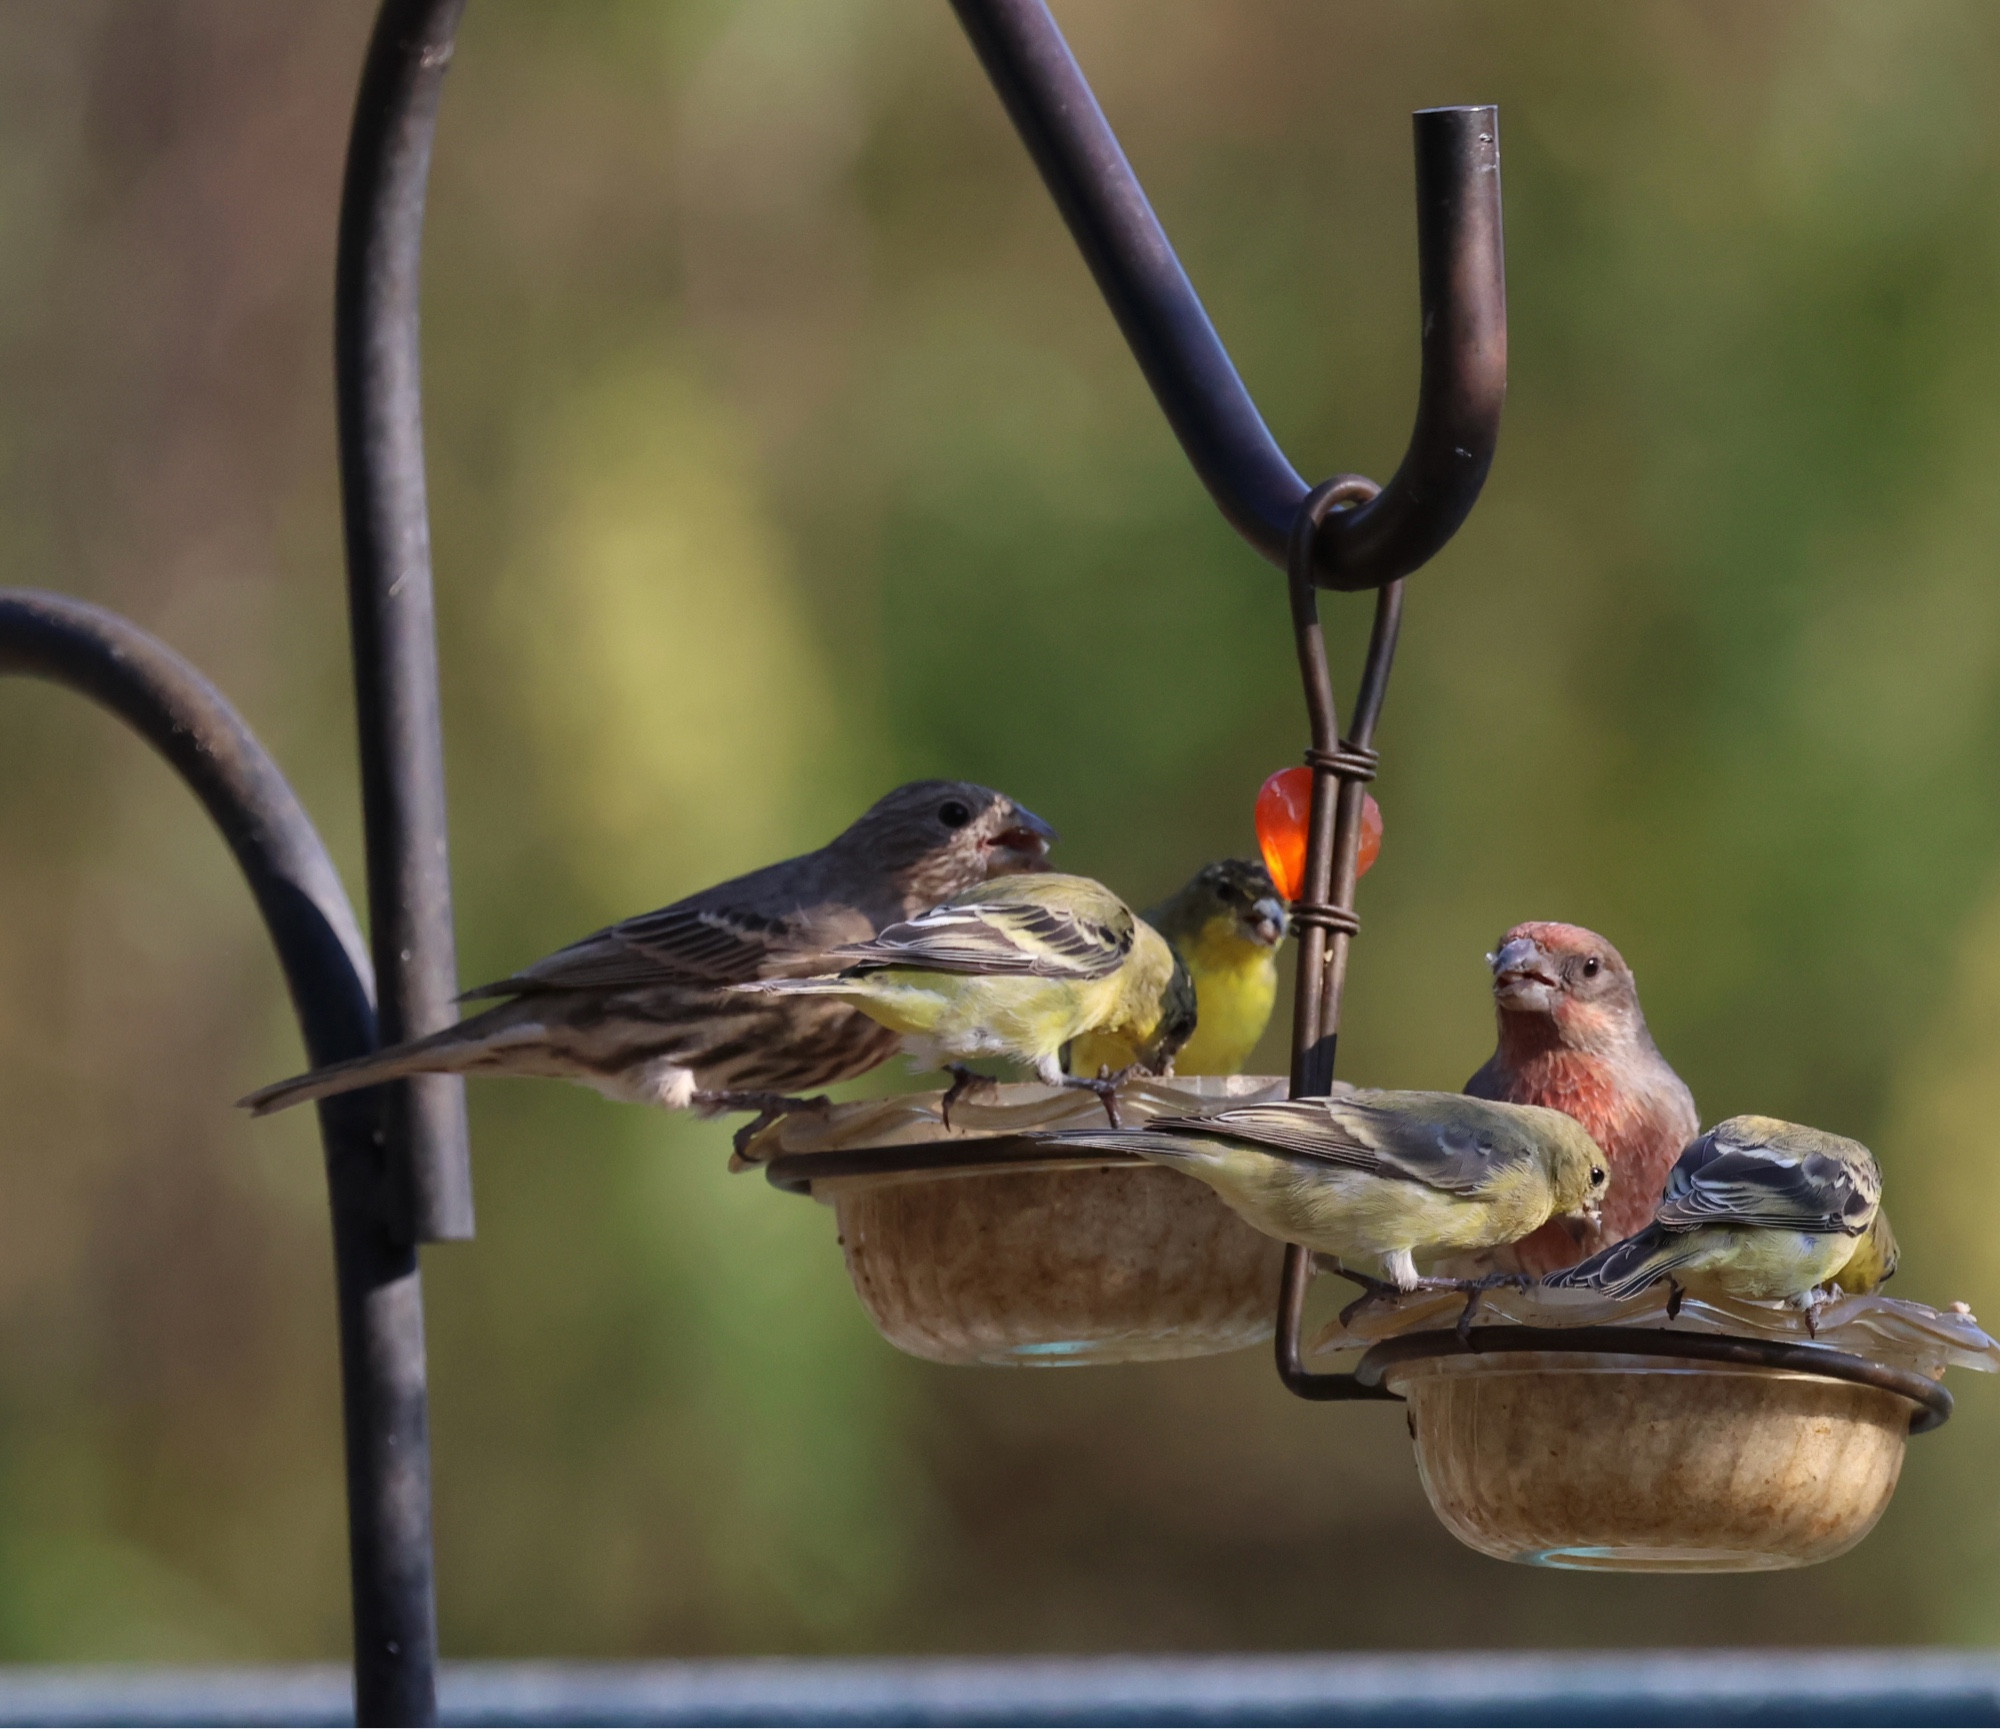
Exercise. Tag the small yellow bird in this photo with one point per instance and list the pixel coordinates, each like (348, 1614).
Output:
(1873, 1263)
(1382, 1176)
(1757, 1209)
(1016, 968)
(1226, 924)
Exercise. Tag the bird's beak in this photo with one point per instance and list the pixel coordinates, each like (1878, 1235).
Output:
(1269, 921)
(1523, 978)
(1023, 845)
(1585, 1219)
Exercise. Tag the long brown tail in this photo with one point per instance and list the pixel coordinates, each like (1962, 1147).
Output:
(447, 1052)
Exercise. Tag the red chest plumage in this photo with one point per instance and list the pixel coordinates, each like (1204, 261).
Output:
(1636, 1124)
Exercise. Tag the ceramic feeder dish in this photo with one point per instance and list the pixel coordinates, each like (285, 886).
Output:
(972, 1245)
(1572, 1432)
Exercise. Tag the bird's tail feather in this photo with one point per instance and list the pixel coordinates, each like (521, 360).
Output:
(1166, 1149)
(814, 987)
(1627, 1268)
(446, 1052)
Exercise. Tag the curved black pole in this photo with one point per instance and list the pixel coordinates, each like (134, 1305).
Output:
(377, 374)
(380, 1294)
(1460, 268)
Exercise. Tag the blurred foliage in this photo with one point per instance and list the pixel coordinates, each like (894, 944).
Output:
(781, 449)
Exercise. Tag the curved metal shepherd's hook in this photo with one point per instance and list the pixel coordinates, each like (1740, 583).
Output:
(1461, 286)
(379, 1290)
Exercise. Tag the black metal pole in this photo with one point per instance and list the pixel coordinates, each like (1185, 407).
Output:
(377, 371)
(1462, 288)
(380, 1293)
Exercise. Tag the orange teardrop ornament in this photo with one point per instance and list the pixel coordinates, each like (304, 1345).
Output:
(1284, 808)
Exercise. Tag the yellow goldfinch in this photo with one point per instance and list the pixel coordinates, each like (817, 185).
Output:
(1383, 1176)
(1226, 925)
(1873, 1263)
(1016, 969)
(643, 1011)
(1757, 1209)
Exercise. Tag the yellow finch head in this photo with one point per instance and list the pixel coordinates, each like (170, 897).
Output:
(1575, 1165)
(1232, 902)
(939, 837)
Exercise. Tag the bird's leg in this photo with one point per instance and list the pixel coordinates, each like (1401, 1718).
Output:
(963, 1081)
(1475, 1293)
(1676, 1295)
(1105, 1085)
(1373, 1290)
(1811, 1305)
(770, 1108)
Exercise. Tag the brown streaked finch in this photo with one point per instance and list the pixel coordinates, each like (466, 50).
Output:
(1572, 1037)
(645, 1010)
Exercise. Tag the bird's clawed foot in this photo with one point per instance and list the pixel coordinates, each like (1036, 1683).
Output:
(963, 1081)
(1676, 1295)
(1105, 1085)
(1815, 1302)
(770, 1108)
(1373, 1290)
(1475, 1293)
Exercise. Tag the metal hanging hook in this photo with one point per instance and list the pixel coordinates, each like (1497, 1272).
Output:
(1324, 912)
(1462, 291)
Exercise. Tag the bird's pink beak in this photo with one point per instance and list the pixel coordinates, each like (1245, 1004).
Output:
(1021, 846)
(1524, 979)
(1269, 921)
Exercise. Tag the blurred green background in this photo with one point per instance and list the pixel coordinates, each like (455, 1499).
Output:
(782, 450)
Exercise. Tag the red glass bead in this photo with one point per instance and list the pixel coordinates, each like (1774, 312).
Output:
(1284, 807)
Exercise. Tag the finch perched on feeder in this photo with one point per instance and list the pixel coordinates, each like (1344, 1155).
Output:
(1015, 969)
(643, 1010)
(1756, 1208)
(1382, 1176)
(1226, 925)
(1572, 1037)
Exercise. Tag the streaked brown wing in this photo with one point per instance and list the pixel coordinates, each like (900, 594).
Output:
(686, 943)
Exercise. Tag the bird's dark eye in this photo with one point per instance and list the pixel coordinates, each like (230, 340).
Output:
(1591, 967)
(954, 813)
(1596, 1176)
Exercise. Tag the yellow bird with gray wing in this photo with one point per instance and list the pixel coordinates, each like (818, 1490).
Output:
(1016, 969)
(1758, 1209)
(1381, 1176)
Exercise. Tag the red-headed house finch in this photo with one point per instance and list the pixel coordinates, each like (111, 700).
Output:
(644, 1010)
(1572, 1037)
